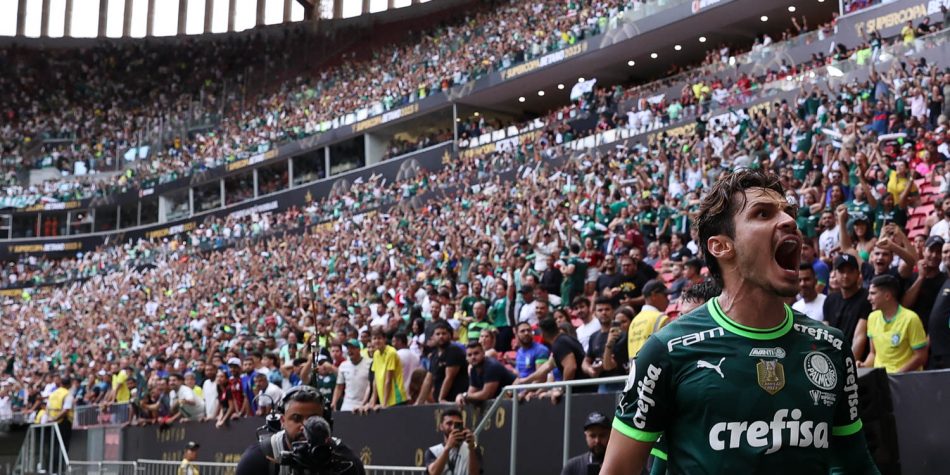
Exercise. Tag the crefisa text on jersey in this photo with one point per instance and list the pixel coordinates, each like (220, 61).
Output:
(820, 334)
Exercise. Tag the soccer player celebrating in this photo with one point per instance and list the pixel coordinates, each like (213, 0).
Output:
(743, 384)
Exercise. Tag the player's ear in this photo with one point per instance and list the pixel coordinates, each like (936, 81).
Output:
(721, 246)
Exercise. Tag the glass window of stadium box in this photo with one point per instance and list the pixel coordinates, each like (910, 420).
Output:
(80, 222)
(309, 167)
(149, 212)
(176, 205)
(347, 155)
(239, 188)
(208, 196)
(107, 218)
(128, 215)
(272, 178)
(25, 225)
(53, 224)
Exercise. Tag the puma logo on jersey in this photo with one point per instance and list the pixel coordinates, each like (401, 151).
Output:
(714, 367)
(771, 434)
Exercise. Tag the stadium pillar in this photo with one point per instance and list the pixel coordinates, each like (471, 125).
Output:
(365, 9)
(68, 25)
(103, 18)
(287, 6)
(182, 16)
(455, 127)
(337, 9)
(150, 18)
(127, 18)
(209, 12)
(259, 14)
(21, 17)
(44, 21)
(231, 14)
(391, 4)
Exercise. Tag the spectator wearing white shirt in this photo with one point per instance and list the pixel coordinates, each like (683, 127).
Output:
(268, 394)
(183, 400)
(352, 381)
(811, 302)
(589, 325)
(410, 361)
(829, 240)
(209, 390)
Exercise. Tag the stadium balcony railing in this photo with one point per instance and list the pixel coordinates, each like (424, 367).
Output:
(98, 415)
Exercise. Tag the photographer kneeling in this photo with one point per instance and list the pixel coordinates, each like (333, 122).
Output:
(303, 445)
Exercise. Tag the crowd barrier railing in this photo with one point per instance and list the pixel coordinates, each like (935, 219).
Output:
(96, 415)
(43, 451)
(513, 389)
(103, 468)
(170, 467)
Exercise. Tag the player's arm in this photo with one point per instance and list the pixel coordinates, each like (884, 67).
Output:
(337, 392)
(849, 450)
(643, 412)
(917, 361)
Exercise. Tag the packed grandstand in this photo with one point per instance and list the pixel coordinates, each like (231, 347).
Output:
(585, 205)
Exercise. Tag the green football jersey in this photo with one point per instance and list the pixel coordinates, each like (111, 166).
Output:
(733, 399)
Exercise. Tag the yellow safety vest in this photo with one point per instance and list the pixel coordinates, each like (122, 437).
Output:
(54, 406)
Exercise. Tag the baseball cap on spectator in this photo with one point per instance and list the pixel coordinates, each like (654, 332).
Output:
(192, 445)
(353, 342)
(655, 286)
(234, 362)
(527, 289)
(845, 260)
(934, 241)
(596, 419)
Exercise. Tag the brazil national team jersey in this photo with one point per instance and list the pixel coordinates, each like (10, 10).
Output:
(733, 399)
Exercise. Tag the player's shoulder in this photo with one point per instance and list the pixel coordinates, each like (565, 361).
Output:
(821, 332)
(695, 321)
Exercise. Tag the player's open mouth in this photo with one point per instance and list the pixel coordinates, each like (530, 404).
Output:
(788, 254)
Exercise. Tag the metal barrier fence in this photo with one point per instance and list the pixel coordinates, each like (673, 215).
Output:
(168, 467)
(103, 468)
(43, 451)
(567, 385)
(95, 415)
(387, 470)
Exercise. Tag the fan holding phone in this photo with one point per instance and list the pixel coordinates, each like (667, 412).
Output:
(458, 454)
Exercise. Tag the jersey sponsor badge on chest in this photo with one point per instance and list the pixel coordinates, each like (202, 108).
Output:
(771, 375)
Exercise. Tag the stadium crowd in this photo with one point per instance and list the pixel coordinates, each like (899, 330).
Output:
(102, 124)
(454, 283)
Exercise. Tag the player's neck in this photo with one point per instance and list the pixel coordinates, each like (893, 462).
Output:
(756, 308)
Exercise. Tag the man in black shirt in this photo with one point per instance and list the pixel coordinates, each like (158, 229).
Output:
(608, 277)
(593, 364)
(848, 309)
(879, 264)
(634, 275)
(938, 323)
(486, 376)
(566, 355)
(448, 373)
(596, 433)
(926, 284)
